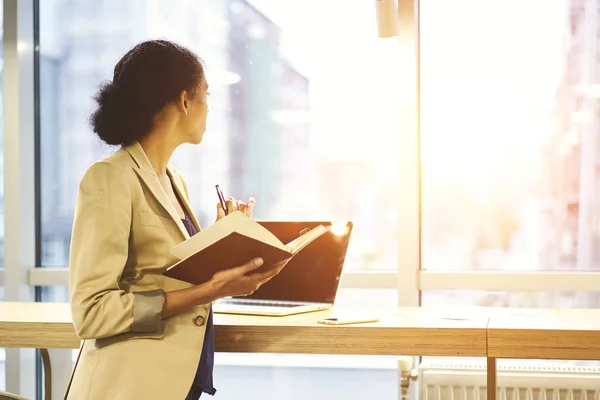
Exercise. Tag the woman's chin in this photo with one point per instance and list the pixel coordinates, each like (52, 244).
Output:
(196, 139)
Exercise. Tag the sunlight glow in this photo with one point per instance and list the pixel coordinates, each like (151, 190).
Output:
(222, 78)
(339, 228)
(291, 116)
(571, 138)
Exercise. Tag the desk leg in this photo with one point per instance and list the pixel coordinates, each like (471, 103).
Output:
(492, 388)
(47, 373)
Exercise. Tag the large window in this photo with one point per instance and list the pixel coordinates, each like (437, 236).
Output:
(302, 119)
(509, 142)
(298, 116)
(509, 127)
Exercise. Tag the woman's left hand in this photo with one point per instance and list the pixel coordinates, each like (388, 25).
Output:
(235, 205)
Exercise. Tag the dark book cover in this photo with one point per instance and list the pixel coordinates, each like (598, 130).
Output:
(231, 251)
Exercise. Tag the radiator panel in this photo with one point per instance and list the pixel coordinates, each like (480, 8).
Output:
(456, 392)
(467, 381)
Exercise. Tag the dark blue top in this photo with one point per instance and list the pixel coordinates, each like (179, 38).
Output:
(203, 381)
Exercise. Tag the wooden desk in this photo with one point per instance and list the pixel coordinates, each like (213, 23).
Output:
(534, 334)
(48, 325)
(546, 334)
(37, 325)
(416, 332)
(543, 334)
(393, 335)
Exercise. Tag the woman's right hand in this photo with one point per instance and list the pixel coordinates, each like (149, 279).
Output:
(241, 281)
(237, 281)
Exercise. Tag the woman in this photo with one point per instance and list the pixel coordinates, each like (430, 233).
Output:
(145, 336)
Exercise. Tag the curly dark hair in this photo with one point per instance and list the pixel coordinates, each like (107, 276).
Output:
(147, 78)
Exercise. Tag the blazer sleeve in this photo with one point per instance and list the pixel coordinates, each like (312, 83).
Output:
(98, 255)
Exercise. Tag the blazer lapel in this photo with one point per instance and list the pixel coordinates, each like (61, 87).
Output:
(177, 185)
(148, 175)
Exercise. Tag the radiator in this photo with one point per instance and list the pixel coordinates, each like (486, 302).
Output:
(467, 381)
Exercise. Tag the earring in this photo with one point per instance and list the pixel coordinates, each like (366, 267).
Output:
(187, 112)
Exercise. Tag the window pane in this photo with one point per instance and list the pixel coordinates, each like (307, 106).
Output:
(301, 119)
(510, 135)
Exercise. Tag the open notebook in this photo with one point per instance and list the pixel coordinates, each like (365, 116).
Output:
(230, 242)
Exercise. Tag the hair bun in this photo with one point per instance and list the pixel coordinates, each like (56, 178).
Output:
(113, 120)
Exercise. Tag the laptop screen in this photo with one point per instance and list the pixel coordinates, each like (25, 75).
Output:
(313, 274)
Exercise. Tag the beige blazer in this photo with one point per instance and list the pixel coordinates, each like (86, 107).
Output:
(123, 231)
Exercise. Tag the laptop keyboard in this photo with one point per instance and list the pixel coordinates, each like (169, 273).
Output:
(246, 302)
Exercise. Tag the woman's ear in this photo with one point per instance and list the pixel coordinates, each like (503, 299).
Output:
(183, 101)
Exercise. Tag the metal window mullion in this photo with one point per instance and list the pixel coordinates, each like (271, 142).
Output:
(509, 281)
(19, 177)
(408, 155)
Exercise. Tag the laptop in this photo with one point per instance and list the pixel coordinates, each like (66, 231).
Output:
(309, 282)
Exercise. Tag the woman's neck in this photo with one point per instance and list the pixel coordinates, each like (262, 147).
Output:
(158, 149)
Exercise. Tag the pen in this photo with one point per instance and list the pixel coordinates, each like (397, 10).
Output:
(222, 199)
